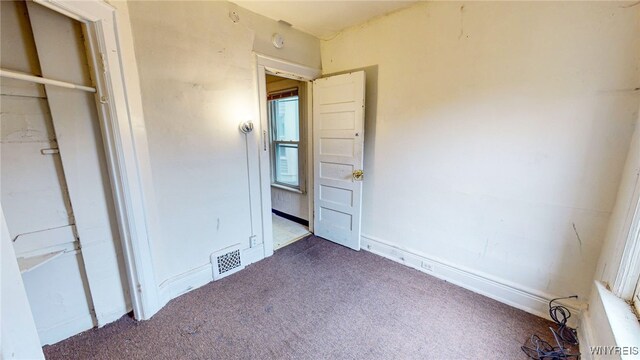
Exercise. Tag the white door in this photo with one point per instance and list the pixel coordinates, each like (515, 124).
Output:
(338, 145)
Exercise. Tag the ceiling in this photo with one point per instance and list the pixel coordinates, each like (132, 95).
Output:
(323, 19)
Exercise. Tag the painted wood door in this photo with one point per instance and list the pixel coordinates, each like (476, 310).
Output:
(338, 148)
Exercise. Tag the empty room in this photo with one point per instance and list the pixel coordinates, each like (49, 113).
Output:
(319, 179)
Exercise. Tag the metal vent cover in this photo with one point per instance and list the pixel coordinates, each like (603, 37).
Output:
(226, 262)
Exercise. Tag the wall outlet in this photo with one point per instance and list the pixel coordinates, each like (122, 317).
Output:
(427, 266)
(253, 240)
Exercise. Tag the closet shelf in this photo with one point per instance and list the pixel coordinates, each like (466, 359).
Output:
(27, 264)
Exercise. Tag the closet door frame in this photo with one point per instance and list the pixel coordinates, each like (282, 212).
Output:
(123, 130)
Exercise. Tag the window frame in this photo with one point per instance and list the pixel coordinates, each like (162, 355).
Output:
(625, 284)
(273, 142)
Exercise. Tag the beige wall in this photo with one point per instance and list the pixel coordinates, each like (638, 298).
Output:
(498, 133)
(198, 81)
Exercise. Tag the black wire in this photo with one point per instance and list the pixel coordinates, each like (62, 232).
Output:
(560, 315)
(539, 349)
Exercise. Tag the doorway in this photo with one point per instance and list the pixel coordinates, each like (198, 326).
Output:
(287, 116)
(335, 147)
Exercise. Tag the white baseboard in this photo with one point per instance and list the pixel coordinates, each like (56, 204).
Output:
(113, 315)
(200, 276)
(67, 329)
(185, 282)
(253, 254)
(585, 336)
(501, 290)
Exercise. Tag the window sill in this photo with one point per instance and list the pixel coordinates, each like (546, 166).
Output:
(624, 323)
(610, 321)
(282, 187)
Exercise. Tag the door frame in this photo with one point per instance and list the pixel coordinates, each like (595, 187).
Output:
(273, 66)
(124, 136)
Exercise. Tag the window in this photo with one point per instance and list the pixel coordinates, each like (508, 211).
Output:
(636, 299)
(286, 148)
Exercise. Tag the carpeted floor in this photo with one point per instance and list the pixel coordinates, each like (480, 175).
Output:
(317, 300)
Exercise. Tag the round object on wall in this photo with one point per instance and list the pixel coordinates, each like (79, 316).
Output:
(246, 127)
(277, 40)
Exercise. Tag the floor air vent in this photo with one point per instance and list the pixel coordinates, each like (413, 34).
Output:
(226, 262)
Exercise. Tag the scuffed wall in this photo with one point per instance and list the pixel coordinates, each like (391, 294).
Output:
(198, 82)
(499, 133)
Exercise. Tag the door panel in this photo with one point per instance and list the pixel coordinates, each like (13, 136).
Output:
(338, 148)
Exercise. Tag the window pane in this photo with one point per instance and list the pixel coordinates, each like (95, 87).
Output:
(286, 156)
(285, 117)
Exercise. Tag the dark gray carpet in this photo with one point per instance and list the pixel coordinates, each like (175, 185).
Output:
(317, 300)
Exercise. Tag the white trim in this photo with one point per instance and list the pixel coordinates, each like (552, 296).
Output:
(309, 152)
(529, 300)
(629, 269)
(252, 255)
(65, 329)
(264, 65)
(124, 158)
(185, 282)
(288, 69)
(609, 322)
(585, 336)
(287, 188)
(200, 276)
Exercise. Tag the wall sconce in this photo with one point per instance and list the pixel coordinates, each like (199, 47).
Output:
(246, 127)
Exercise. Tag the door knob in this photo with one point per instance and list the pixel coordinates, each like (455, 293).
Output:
(358, 175)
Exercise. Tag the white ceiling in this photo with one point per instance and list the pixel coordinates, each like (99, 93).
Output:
(323, 19)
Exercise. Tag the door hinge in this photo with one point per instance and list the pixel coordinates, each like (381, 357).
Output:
(264, 139)
(103, 63)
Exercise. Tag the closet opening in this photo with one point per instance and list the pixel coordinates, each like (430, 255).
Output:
(56, 190)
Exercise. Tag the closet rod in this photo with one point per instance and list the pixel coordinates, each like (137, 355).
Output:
(40, 80)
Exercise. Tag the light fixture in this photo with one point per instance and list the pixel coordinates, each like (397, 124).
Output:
(277, 40)
(246, 127)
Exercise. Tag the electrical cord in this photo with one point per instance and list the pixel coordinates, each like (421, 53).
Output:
(560, 315)
(539, 349)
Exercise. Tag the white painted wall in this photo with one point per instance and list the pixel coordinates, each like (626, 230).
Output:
(198, 82)
(499, 133)
(18, 335)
